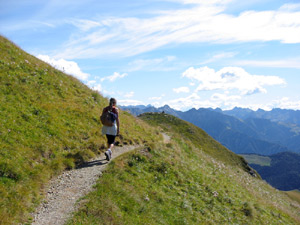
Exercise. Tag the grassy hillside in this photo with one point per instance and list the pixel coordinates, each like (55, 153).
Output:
(295, 195)
(49, 122)
(190, 180)
(258, 160)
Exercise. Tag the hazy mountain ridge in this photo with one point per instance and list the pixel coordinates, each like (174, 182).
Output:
(287, 116)
(256, 135)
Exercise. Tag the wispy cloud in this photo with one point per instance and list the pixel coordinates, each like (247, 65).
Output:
(219, 56)
(129, 94)
(157, 64)
(205, 22)
(290, 7)
(127, 102)
(231, 78)
(69, 67)
(114, 77)
(181, 90)
(285, 103)
(225, 100)
(191, 101)
(157, 98)
(287, 63)
(84, 25)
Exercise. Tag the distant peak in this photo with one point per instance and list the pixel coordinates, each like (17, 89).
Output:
(165, 107)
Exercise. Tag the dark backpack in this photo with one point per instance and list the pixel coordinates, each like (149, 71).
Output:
(108, 118)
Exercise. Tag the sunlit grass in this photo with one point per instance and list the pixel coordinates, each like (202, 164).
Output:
(257, 159)
(295, 195)
(182, 182)
(49, 122)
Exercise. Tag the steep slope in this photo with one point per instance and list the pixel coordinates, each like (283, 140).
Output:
(190, 180)
(49, 122)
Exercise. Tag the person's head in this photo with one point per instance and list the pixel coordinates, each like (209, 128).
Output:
(112, 102)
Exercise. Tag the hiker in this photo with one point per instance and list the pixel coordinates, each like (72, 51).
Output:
(111, 131)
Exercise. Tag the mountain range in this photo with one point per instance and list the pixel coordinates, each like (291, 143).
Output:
(274, 134)
(243, 131)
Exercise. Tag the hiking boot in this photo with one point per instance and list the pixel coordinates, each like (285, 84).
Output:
(107, 155)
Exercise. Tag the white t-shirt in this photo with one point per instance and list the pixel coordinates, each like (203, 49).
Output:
(110, 130)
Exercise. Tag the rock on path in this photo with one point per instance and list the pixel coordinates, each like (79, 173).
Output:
(66, 189)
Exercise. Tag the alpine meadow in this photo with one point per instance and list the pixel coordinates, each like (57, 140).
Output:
(50, 123)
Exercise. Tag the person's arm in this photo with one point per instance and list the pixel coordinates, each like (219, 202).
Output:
(118, 123)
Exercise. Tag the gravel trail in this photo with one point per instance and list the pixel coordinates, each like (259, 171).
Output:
(64, 190)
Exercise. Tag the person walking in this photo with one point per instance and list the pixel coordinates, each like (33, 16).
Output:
(111, 131)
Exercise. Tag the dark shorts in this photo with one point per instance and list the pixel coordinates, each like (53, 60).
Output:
(110, 139)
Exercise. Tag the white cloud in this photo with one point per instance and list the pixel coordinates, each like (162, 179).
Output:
(285, 103)
(191, 101)
(84, 25)
(231, 78)
(158, 64)
(225, 100)
(114, 77)
(98, 88)
(69, 67)
(94, 85)
(290, 7)
(129, 95)
(206, 21)
(287, 63)
(126, 102)
(219, 56)
(202, 2)
(91, 82)
(181, 90)
(157, 98)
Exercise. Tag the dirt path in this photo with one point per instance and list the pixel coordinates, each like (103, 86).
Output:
(166, 137)
(65, 190)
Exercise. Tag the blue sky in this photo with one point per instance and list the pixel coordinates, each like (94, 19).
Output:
(184, 53)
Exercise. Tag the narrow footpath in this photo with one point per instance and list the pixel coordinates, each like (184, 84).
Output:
(65, 190)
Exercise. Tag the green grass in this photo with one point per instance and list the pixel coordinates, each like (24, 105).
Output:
(195, 136)
(294, 195)
(182, 182)
(49, 123)
(257, 159)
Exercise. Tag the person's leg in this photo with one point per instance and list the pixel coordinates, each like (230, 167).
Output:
(110, 141)
(110, 145)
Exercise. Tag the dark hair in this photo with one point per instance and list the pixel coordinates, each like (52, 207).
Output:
(111, 101)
